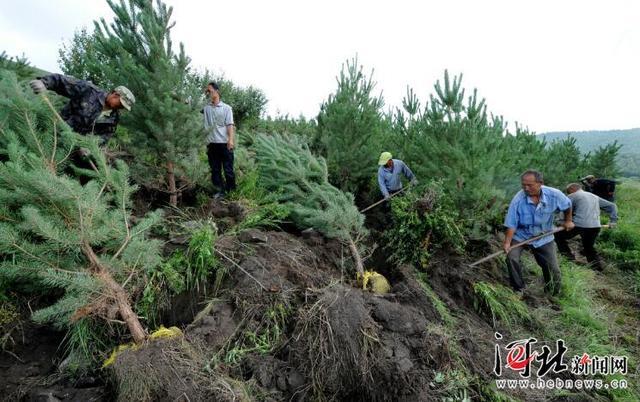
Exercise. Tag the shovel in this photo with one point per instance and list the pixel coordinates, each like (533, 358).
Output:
(383, 200)
(524, 243)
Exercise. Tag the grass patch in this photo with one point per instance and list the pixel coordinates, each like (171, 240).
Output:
(622, 244)
(85, 341)
(581, 322)
(262, 340)
(184, 269)
(584, 323)
(262, 208)
(501, 303)
(201, 259)
(441, 308)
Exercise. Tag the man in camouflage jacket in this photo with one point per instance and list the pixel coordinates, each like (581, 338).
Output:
(90, 110)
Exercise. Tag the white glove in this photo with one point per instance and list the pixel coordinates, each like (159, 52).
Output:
(612, 225)
(37, 86)
(414, 182)
(387, 197)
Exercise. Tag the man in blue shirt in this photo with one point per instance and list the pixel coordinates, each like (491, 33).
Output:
(389, 174)
(530, 214)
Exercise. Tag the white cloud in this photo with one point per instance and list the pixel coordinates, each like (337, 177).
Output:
(570, 65)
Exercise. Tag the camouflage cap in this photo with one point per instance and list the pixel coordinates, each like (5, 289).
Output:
(126, 97)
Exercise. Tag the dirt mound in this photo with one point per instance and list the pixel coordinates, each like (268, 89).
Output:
(169, 370)
(335, 341)
(353, 345)
(288, 324)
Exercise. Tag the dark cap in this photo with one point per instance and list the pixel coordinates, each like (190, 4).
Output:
(214, 85)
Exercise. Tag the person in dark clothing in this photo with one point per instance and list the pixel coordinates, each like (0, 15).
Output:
(586, 217)
(603, 188)
(220, 130)
(90, 110)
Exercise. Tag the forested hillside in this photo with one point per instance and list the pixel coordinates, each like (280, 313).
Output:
(629, 156)
(126, 276)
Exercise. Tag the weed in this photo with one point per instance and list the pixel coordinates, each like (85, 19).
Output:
(202, 199)
(183, 269)
(267, 215)
(423, 222)
(263, 340)
(84, 341)
(501, 303)
(441, 308)
(263, 209)
(200, 256)
(167, 278)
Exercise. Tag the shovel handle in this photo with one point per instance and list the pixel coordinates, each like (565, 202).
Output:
(523, 243)
(382, 200)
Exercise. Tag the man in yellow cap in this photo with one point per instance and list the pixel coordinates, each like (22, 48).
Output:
(389, 174)
(90, 110)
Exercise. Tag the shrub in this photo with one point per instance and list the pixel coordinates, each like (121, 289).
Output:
(423, 220)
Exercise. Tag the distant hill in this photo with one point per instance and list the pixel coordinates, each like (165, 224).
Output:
(21, 66)
(629, 156)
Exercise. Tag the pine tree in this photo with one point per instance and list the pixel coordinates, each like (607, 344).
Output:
(298, 179)
(19, 65)
(455, 140)
(58, 234)
(351, 130)
(81, 58)
(563, 162)
(602, 162)
(164, 123)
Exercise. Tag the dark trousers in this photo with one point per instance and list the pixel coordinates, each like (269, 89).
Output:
(545, 257)
(588, 237)
(221, 159)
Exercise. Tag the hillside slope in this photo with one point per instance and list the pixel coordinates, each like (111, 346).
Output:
(629, 156)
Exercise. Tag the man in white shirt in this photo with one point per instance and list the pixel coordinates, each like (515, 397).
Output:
(218, 123)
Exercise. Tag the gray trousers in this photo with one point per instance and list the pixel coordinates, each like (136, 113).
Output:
(545, 257)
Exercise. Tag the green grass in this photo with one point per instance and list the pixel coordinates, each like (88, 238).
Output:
(264, 339)
(84, 343)
(501, 303)
(263, 210)
(584, 322)
(440, 307)
(581, 318)
(622, 244)
(200, 255)
(591, 323)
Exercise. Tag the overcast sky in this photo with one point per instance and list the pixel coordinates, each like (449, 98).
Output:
(550, 65)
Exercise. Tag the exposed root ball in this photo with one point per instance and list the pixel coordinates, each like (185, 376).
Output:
(169, 370)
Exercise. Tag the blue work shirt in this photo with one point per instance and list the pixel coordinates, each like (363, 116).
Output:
(389, 179)
(531, 220)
